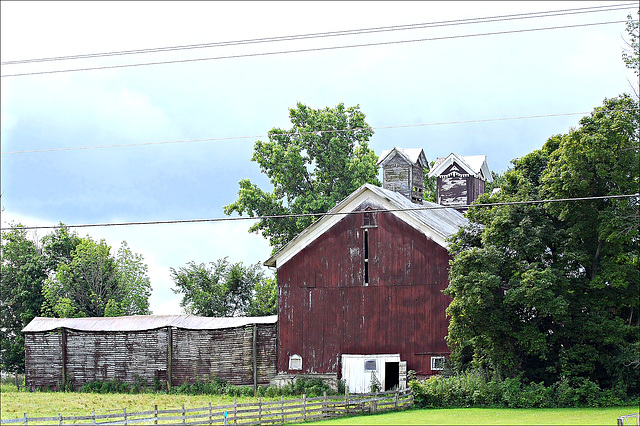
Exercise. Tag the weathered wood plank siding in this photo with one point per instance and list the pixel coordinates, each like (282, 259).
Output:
(403, 177)
(43, 359)
(124, 356)
(224, 353)
(128, 356)
(401, 310)
(455, 189)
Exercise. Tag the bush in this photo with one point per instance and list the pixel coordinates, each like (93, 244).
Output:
(472, 389)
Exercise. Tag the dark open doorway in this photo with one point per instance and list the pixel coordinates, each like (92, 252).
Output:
(391, 375)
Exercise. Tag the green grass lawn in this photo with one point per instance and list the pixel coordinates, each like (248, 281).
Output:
(14, 404)
(492, 416)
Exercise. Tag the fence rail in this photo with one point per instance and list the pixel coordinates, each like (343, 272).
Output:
(629, 420)
(251, 413)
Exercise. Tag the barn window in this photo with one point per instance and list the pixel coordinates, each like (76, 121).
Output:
(437, 362)
(366, 257)
(295, 362)
(370, 365)
(369, 220)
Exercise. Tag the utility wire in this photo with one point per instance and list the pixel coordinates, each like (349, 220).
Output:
(399, 126)
(529, 15)
(316, 49)
(283, 216)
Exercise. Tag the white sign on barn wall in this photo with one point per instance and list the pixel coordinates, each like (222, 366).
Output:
(360, 371)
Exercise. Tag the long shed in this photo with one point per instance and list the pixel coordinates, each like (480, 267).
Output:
(172, 349)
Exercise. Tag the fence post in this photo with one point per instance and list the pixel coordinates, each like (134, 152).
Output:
(59, 418)
(93, 417)
(282, 408)
(235, 410)
(155, 414)
(260, 410)
(124, 414)
(304, 406)
(210, 412)
(183, 414)
(395, 403)
(25, 419)
(324, 404)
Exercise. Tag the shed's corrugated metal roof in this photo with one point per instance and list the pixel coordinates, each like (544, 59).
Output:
(143, 322)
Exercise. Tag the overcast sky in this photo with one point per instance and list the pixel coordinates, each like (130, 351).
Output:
(442, 74)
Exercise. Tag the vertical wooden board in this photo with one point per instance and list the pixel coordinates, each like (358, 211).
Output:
(353, 319)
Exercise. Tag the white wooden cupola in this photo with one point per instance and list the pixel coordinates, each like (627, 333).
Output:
(403, 171)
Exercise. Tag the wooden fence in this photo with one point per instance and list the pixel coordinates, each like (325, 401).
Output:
(629, 420)
(252, 413)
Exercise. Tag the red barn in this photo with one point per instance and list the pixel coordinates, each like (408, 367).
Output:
(367, 279)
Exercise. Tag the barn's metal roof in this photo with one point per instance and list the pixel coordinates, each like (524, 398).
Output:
(444, 221)
(144, 322)
(434, 220)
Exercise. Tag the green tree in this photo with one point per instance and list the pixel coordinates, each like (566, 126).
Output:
(58, 247)
(430, 186)
(131, 273)
(93, 283)
(631, 56)
(221, 289)
(265, 298)
(312, 166)
(22, 272)
(551, 290)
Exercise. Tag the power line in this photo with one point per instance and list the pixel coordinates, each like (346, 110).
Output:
(399, 126)
(284, 216)
(316, 49)
(529, 15)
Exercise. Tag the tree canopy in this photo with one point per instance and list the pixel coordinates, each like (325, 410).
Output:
(63, 275)
(550, 290)
(94, 283)
(222, 289)
(313, 165)
(22, 270)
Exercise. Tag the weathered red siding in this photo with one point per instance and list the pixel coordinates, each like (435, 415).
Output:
(325, 309)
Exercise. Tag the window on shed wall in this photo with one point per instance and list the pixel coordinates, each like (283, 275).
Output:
(437, 363)
(295, 362)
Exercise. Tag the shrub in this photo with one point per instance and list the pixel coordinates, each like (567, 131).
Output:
(472, 389)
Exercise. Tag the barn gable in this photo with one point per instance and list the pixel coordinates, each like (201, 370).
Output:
(430, 219)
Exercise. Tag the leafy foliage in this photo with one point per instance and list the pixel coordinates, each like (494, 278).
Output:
(265, 298)
(312, 166)
(474, 389)
(93, 283)
(63, 275)
(22, 271)
(224, 289)
(631, 56)
(550, 291)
